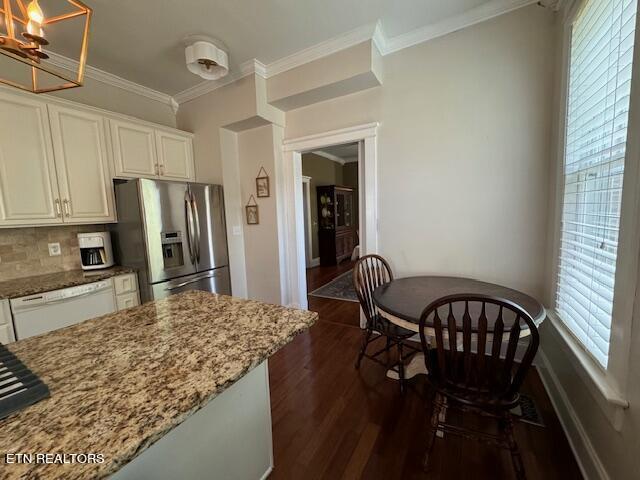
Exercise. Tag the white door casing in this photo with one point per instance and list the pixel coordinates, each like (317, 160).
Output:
(82, 165)
(306, 193)
(291, 211)
(28, 184)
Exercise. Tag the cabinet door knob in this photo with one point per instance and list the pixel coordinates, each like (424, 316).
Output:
(161, 169)
(58, 209)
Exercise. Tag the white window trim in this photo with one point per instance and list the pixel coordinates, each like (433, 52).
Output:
(609, 387)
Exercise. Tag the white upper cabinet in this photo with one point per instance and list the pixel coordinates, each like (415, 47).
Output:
(28, 186)
(175, 155)
(134, 149)
(82, 165)
(58, 160)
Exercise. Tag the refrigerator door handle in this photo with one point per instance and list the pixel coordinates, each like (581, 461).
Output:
(194, 205)
(190, 228)
(193, 280)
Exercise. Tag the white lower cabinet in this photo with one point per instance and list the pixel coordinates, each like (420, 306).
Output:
(126, 290)
(127, 300)
(7, 334)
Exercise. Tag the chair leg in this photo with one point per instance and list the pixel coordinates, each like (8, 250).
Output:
(365, 341)
(401, 367)
(433, 429)
(516, 458)
(388, 349)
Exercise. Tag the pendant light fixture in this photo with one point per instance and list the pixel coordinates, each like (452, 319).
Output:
(24, 29)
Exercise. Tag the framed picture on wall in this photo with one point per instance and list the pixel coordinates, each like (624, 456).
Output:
(251, 209)
(262, 184)
(253, 218)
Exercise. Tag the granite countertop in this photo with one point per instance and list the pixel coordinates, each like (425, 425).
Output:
(120, 382)
(21, 287)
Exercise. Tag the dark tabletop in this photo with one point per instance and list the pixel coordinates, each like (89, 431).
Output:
(406, 298)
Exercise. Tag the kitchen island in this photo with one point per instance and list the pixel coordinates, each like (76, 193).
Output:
(184, 377)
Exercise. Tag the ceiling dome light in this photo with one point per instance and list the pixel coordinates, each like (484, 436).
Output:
(205, 59)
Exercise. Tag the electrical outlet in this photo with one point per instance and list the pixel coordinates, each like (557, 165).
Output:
(54, 249)
(237, 231)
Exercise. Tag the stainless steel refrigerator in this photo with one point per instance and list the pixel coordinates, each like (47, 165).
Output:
(174, 233)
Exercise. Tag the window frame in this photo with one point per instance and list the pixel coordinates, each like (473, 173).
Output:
(608, 385)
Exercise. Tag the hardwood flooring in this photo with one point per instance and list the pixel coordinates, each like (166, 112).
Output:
(331, 421)
(336, 311)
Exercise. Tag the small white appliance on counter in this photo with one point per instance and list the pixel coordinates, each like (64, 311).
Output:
(95, 250)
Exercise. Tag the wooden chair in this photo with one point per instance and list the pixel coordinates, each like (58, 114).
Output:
(471, 366)
(370, 272)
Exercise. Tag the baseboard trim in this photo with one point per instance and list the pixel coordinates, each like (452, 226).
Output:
(267, 473)
(588, 460)
(314, 262)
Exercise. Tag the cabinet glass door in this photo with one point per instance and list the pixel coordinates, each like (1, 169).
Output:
(340, 209)
(347, 209)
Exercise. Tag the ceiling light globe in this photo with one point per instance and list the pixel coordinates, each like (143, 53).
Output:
(207, 60)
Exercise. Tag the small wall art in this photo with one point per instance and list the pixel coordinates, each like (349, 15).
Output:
(262, 184)
(253, 216)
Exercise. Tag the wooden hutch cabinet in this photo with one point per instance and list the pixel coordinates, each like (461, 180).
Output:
(336, 223)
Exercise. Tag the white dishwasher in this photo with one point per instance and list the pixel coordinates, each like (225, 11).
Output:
(44, 312)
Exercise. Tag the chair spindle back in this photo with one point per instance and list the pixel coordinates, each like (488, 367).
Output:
(370, 272)
(470, 353)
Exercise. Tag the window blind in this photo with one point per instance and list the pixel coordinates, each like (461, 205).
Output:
(602, 40)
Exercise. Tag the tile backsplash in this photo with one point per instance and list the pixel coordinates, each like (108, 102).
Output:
(25, 252)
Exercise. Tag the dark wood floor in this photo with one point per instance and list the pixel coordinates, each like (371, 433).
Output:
(331, 421)
(336, 311)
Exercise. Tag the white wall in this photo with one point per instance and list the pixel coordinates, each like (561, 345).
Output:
(463, 149)
(206, 115)
(261, 241)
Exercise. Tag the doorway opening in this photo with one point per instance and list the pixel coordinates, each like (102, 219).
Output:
(292, 233)
(330, 194)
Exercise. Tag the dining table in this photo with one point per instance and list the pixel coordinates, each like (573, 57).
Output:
(403, 300)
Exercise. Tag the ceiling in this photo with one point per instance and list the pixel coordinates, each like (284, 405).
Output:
(347, 152)
(142, 40)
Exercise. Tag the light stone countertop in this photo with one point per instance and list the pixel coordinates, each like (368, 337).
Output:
(120, 382)
(21, 287)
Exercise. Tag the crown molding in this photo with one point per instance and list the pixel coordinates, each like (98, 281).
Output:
(379, 39)
(372, 32)
(471, 17)
(250, 67)
(94, 73)
(322, 49)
